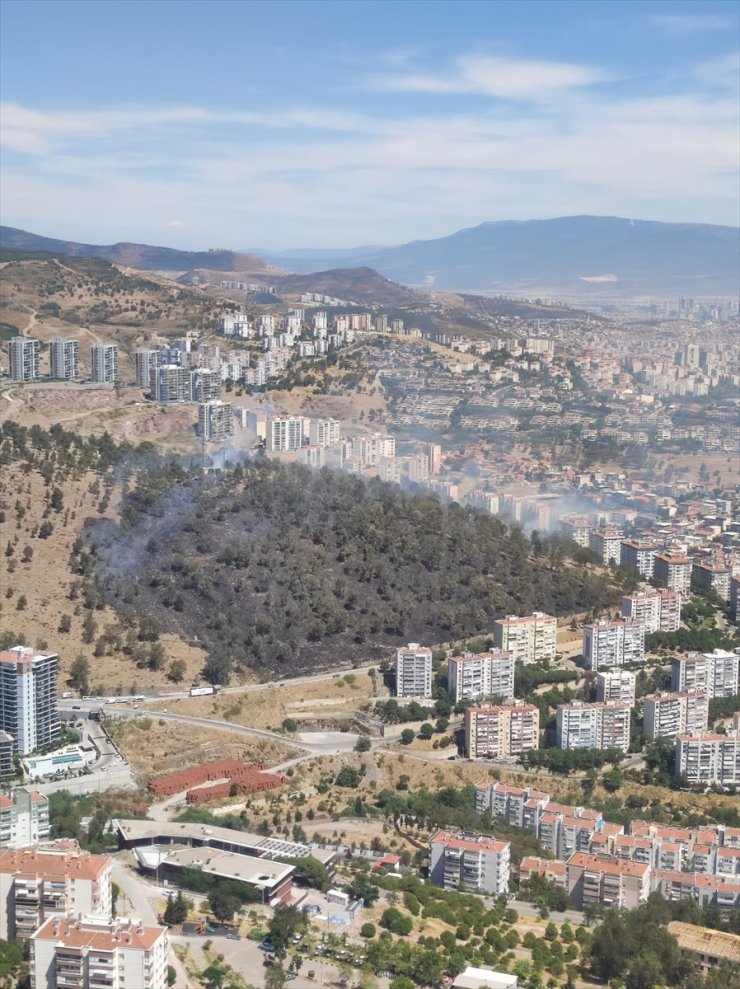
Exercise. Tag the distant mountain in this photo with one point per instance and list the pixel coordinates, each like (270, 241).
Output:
(140, 256)
(573, 255)
(352, 284)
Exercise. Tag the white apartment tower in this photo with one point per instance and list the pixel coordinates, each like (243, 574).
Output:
(502, 730)
(104, 363)
(659, 609)
(28, 698)
(414, 671)
(323, 432)
(709, 758)
(609, 644)
(284, 433)
(593, 726)
(576, 529)
(616, 685)
(714, 673)
(531, 639)
(23, 355)
(64, 359)
(215, 421)
(680, 713)
(96, 952)
(477, 675)
(472, 861)
(607, 544)
(641, 556)
(24, 818)
(147, 361)
(173, 384)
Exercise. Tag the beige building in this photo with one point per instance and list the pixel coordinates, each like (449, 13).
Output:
(616, 685)
(706, 947)
(607, 544)
(659, 609)
(593, 879)
(38, 884)
(501, 730)
(531, 639)
(414, 671)
(472, 861)
(477, 675)
(95, 953)
(24, 818)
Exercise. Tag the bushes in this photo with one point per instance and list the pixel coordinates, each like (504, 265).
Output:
(396, 922)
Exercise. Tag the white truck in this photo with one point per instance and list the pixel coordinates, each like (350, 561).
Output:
(196, 691)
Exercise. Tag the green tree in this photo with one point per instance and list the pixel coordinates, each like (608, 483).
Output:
(367, 930)
(396, 922)
(223, 905)
(79, 674)
(285, 922)
(362, 744)
(177, 670)
(407, 736)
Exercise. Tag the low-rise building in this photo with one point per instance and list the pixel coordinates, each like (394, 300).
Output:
(597, 880)
(471, 861)
(502, 730)
(96, 952)
(478, 675)
(706, 947)
(679, 713)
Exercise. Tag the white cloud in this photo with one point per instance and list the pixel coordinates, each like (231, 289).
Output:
(676, 23)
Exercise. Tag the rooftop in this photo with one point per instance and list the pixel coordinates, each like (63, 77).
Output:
(99, 934)
(52, 864)
(704, 941)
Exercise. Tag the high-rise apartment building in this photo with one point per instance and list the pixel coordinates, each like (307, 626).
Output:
(714, 673)
(28, 697)
(616, 685)
(734, 598)
(206, 385)
(531, 639)
(51, 882)
(617, 643)
(470, 861)
(64, 359)
(673, 572)
(146, 361)
(104, 363)
(24, 818)
(173, 384)
(577, 529)
(477, 675)
(98, 953)
(708, 758)
(639, 555)
(659, 609)
(680, 713)
(323, 432)
(593, 726)
(284, 433)
(24, 359)
(215, 421)
(501, 730)
(711, 577)
(414, 671)
(607, 544)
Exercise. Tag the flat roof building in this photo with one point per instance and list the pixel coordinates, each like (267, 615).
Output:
(28, 698)
(481, 675)
(531, 639)
(508, 730)
(472, 861)
(612, 644)
(680, 713)
(414, 671)
(24, 818)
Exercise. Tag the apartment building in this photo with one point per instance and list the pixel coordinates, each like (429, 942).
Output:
(472, 861)
(414, 671)
(607, 544)
(173, 384)
(593, 726)
(610, 644)
(673, 572)
(531, 639)
(24, 359)
(710, 577)
(28, 698)
(215, 421)
(576, 529)
(324, 432)
(639, 555)
(104, 363)
(501, 730)
(206, 385)
(24, 818)
(734, 598)
(37, 884)
(146, 362)
(7, 765)
(284, 433)
(679, 713)
(593, 879)
(616, 685)
(64, 359)
(659, 609)
(714, 674)
(708, 758)
(485, 674)
(98, 953)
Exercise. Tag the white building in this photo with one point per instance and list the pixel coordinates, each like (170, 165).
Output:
(712, 577)
(673, 572)
(531, 639)
(323, 432)
(680, 713)
(414, 671)
(502, 730)
(608, 644)
(28, 697)
(284, 433)
(146, 361)
(659, 609)
(104, 363)
(709, 758)
(641, 556)
(607, 544)
(471, 861)
(64, 359)
(616, 685)
(486, 674)
(593, 726)
(24, 818)
(51, 882)
(215, 421)
(94, 952)
(576, 529)
(714, 673)
(24, 359)
(173, 384)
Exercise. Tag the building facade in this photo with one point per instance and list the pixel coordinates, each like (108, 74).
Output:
(501, 730)
(607, 544)
(610, 644)
(104, 363)
(658, 609)
(28, 698)
(673, 572)
(475, 675)
(641, 556)
(680, 713)
(215, 421)
(470, 861)
(616, 685)
(593, 726)
(709, 758)
(24, 818)
(414, 671)
(531, 639)
(714, 674)
(284, 433)
(710, 577)
(64, 359)
(24, 359)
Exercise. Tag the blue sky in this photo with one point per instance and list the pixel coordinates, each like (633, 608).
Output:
(318, 124)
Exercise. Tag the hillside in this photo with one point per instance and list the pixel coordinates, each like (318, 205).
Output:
(284, 570)
(141, 256)
(353, 284)
(575, 255)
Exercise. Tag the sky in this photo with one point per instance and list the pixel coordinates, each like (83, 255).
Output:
(282, 124)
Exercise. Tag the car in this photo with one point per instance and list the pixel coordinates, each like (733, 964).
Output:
(289, 976)
(233, 936)
(266, 946)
